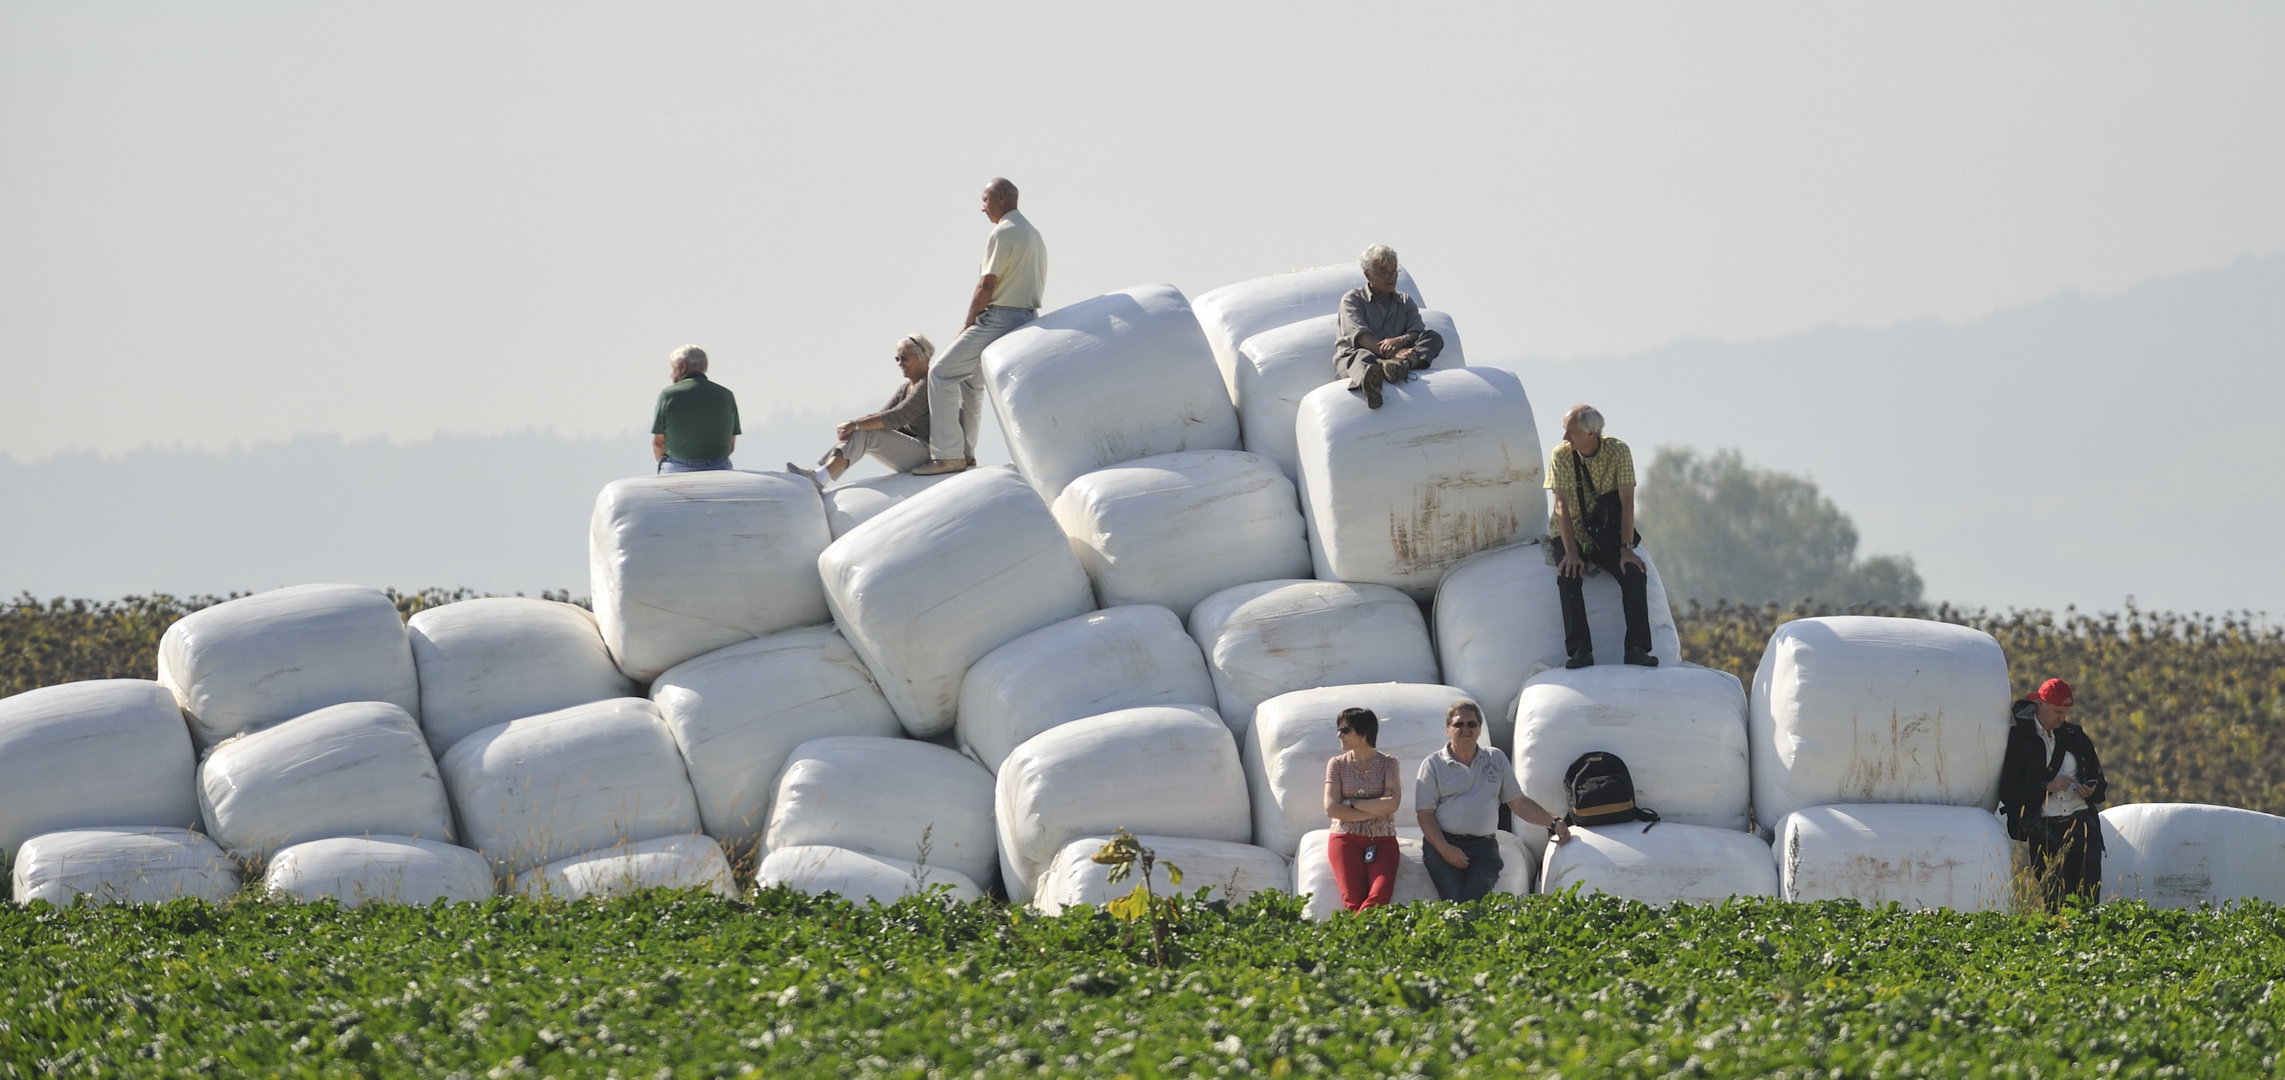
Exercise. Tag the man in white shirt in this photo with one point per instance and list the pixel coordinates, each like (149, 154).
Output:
(1006, 296)
(1456, 796)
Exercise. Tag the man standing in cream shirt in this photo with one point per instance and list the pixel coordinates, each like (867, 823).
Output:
(1006, 297)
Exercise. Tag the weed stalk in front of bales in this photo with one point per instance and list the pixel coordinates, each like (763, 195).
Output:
(795, 986)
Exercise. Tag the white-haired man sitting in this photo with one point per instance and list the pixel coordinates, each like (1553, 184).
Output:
(898, 434)
(1380, 338)
(696, 425)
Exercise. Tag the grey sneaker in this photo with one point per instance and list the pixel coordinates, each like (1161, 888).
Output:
(1395, 370)
(809, 474)
(1373, 379)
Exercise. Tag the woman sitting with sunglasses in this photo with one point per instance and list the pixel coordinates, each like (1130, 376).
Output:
(1361, 796)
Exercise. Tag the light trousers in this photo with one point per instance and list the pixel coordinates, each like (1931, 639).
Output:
(896, 449)
(956, 384)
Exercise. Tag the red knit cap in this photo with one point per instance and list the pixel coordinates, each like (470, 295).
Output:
(2053, 692)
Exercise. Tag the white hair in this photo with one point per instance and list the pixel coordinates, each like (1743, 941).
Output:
(692, 356)
(1586, 416)
(919, 343)
(1376, 255)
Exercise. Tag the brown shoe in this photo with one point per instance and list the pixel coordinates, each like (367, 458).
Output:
(1373, 379)
(1395, 370)
(940, 466)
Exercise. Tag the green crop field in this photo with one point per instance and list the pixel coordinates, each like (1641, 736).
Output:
(2184, 708)
(675, 985)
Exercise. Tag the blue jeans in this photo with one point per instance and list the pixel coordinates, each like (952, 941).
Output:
(956, 383)
(677, 465)
(1476, 881)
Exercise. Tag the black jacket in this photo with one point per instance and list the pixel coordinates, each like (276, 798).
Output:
(2023, 774)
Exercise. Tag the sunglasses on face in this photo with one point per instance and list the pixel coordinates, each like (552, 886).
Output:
(1343, 731)
(1469, 725)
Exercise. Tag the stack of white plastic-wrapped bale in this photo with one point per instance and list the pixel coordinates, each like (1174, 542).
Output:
(1876, 755)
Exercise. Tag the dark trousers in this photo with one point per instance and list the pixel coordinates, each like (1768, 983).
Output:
(1473, 882)
(1634, 597)
(2067, 858)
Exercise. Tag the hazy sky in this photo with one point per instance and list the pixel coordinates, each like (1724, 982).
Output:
(227, 222)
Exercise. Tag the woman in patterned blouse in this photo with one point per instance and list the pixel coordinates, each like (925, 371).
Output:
(1361, 796)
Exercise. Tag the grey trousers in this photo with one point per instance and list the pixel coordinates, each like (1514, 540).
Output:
(1348, 363)
(956, 384)
(896, 449)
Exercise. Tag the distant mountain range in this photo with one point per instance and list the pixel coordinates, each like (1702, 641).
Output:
(2076, 450)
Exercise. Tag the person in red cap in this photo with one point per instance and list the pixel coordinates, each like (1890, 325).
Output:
(2050, 786)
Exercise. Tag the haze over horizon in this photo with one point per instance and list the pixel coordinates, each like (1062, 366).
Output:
(1852, 243)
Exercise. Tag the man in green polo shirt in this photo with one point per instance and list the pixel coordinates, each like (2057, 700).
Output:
(697, 424)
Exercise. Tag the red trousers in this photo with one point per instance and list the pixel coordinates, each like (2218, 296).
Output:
(1363, 884)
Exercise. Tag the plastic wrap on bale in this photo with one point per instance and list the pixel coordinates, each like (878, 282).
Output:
(683, 564)
(1399, 495)
(356, 870)
(1228, 872)
(1113, 378)
(1275, 637)
(259, 660)
(121, 865)
(931, 585)
(1174, 529)
(348, 770)
(891, 797)
(1165, 770)
(1681, 731)
(500, 658)
(573, 782)
(737, 712)
(101, 752)
(1103, 661)
(2184, 855)
(1669, 864)
(1862, 709)
(1919, 856)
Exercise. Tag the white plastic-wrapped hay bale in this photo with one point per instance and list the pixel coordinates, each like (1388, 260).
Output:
(1233, 872)
(500, 658)
(737, 712)
(851, 503)
(1398, 495)
(264, 659)
(1162, 770)
(683, 564)
(348, 770)
(1173, 529)
(2181, 855)
(571, 782)
(122, 865)
(1313, 872)
(1231, 314)
(927, 588)
(1103, 661)
(858, 877)
(1499, 621)
(1277, 368)
(1681, 731)
(1920, 856)
(1293, 737)
(889, 797)
(665, 862)
(356, 870)
(1275, 637)
(1861, 709)
(102, 752)
(1670, 864)
(1113, 378)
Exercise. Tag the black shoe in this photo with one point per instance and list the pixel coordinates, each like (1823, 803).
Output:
(1585, 659)
(1641, 659)
(1373, 380)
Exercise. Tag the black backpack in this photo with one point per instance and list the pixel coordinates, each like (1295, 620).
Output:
(1602, 792)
